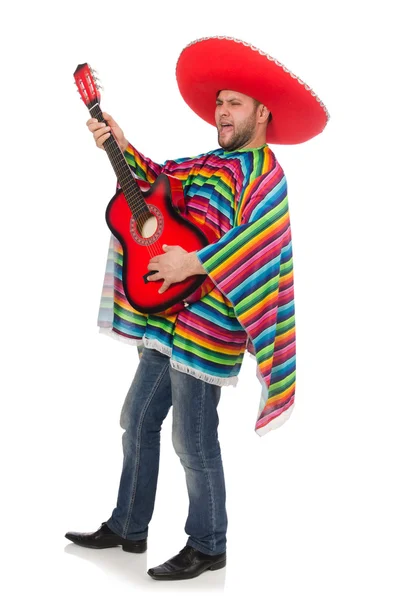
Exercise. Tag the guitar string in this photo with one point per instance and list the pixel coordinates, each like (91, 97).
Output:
(116, 154)
(99, 115)
(154, 248)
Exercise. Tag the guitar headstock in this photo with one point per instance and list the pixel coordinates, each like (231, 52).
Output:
(87, 84)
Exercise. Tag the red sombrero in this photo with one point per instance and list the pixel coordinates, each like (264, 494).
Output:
(209, 65)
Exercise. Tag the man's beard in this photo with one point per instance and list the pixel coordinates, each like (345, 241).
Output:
(241, 136)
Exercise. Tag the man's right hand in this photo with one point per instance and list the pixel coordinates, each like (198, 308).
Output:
(101, 131)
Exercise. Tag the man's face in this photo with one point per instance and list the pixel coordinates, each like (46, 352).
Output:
(235, 118)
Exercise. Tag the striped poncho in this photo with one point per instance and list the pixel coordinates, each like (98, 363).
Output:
(242, 196)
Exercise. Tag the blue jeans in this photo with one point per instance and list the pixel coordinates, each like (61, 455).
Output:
(155, 388)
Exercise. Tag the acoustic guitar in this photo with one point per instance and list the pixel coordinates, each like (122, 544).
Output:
(143, 218)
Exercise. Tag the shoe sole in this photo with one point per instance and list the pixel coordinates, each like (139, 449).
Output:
(176, 577)
(131, 547)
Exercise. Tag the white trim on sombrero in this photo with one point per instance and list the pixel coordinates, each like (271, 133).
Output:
(276, 62)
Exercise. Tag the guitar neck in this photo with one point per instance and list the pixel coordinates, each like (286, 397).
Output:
(124, 176)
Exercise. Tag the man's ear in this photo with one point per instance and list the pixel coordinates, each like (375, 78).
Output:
(263, 113)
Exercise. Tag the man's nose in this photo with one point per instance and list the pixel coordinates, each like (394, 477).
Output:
(224, 110)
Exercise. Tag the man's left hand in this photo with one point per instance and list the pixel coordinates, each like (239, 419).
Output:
(175, 265)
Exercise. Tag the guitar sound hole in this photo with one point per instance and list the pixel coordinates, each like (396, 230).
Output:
(148, 228)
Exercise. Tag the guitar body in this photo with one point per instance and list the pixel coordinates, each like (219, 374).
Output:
(142, 238)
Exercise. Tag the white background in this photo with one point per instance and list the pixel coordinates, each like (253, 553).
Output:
(311, 506)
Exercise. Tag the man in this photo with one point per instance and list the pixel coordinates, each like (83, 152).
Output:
(239, 190)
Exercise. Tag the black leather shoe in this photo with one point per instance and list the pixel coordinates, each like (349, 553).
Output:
(105, 538)
(187, 564)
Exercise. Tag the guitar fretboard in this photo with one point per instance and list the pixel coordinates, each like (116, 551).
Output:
(130, 188)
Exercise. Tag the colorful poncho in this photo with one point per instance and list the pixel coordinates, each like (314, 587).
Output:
(242, 196)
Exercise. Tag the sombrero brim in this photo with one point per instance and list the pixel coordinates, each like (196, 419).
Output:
(209, 65)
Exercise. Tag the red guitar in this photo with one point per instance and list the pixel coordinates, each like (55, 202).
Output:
(143, 221)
